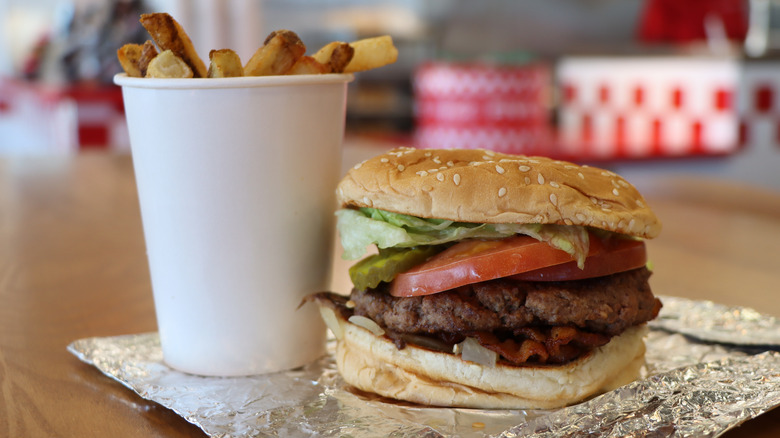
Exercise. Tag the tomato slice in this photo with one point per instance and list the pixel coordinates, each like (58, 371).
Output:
(617, 255)
(472, 261)
(520, 257)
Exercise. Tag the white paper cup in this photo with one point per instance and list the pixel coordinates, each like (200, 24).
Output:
(236, 181)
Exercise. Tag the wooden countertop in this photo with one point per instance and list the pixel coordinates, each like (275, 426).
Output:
(72, 265)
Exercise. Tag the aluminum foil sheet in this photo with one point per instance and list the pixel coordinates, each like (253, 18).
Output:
(712, 322)
(701, 380)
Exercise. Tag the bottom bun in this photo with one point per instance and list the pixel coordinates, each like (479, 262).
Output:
(374, 364)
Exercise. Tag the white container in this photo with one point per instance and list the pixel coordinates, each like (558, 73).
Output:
(236, 181)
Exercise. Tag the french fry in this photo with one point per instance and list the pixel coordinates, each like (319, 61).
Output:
(168, 65)
(224, 63)
(169, 35)
(372, 53)
(280, 51)
(148, 52)
(336, 55)
(340, 57)
(323, 55)
(128, 56)
(308, 66)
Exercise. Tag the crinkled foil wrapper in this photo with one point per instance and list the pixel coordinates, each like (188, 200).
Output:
(709, 368)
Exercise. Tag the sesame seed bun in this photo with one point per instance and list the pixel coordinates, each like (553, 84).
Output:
(374, 364)
(473, 185)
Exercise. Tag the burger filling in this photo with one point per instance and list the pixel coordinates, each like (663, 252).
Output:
(527, 294)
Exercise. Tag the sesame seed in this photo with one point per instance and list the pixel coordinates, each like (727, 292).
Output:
(594, 200)
(436, 160)
(501, 192)
(568, 222)
(640, 204)
(580, 217)
(540, 179)
(615, 192)
(401, 167)
(499, 169)
(384, 160)
(524, 168)
(450, 164)
(490, 153)
(358, 166)
(580, 175)
(631, 223)
(534, 161)
(486, 158)
(555, 184)
(527, 180)
(456, 179)
(615, 184)
(428, 154)
(422, 173)
(434, 170)
(569, 167)
(553, 199)
(440, 176)
(623, 183)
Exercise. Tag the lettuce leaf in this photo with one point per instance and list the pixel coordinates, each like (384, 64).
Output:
(368, 226)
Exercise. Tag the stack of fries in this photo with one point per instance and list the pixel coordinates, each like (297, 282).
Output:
(172, 55)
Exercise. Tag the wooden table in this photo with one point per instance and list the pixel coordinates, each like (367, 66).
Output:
(72, 265)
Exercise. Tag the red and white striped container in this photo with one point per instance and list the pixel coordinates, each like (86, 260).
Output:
(475, 105)
(648, 107)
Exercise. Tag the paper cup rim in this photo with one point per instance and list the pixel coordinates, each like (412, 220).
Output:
(239, 82)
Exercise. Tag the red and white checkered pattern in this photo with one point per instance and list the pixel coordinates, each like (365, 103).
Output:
(502, 108)
(759, 104)
(640, 107)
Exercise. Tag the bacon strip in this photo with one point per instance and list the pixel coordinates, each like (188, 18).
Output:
(562, 344)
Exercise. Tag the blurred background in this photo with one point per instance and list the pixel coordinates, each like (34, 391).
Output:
(645, 87)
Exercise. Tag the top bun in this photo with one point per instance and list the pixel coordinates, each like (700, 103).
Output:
(482, 186)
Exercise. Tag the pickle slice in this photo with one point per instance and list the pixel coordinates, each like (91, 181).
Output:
(374, 269)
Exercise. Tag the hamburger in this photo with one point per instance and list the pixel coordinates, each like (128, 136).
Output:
(498, 281)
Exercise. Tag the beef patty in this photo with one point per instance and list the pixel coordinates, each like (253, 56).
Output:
(606, 305)
(523, 321)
